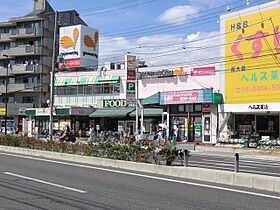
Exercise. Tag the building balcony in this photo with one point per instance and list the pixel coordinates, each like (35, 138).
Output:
(26, 50)
(5, 37)
(3, 71)
(4, 52)
(23, 87)
(25, 69)
(26, 32)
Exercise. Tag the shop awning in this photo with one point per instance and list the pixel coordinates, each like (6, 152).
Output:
(148, 112)
(30, 112)
(62, 111)
(98, 80)
(121, 112)
(153, 99)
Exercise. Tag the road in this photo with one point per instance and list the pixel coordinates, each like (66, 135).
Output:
(35, 183)
(226, 162)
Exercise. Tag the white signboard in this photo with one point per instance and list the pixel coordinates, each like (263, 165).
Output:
(79, 46)
(253, 107)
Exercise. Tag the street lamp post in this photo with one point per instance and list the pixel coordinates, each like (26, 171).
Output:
(6, 92)
(52, 78)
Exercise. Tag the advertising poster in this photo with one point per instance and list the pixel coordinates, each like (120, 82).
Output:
(252, 61)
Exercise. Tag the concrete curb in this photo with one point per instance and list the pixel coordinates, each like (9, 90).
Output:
(208, 175)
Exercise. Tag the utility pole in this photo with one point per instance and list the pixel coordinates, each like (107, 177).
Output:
(136, 100)
(6, 93)
(52, 77)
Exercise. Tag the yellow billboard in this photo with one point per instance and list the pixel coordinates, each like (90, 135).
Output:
(252, 61)
(2, 111)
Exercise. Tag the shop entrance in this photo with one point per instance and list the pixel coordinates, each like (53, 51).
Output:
(196, 128)
(187, 128)
(130, 126)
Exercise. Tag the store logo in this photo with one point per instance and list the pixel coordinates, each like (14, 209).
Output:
(89, 42)
(67, 41)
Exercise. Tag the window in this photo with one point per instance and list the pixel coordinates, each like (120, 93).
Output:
(88, 90)
(29, 99)
(116, 89)
(106, 89)
(197, 108)
(181, 108)
(81, 89)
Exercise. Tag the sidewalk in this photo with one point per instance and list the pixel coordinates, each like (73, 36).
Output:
(245, 153)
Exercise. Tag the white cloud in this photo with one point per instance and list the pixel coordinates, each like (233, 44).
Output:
(197, 48)
(192, 37)
(178, 14)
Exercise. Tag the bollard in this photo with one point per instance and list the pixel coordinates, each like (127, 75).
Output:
(186, 156)
(236, 162)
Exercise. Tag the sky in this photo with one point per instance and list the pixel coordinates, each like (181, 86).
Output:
(161, 32)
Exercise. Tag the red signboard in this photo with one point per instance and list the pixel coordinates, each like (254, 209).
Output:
(70, 63)
(180, 97)
(131, 74)
(203, 71)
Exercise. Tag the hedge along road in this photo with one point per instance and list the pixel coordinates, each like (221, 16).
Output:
(36, 183)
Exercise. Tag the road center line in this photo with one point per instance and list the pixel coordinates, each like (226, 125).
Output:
(148, 176)
(44, 182)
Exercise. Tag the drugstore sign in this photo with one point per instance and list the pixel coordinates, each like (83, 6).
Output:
(252, 49)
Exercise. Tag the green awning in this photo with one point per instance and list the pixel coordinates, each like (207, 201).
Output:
(30, 112)
(82, 80)
(62, 111)
(98, 80)
(148, 112)
(117, 112)
(153, 99)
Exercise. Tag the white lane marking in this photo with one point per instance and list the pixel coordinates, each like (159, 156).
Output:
(44, 182)
(149, 177)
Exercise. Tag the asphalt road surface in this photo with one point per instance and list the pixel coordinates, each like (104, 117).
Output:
(35, 183)
(247, 165)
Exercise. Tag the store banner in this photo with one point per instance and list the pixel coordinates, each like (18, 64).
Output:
(251, 66)
(203, 71)
(186, 97)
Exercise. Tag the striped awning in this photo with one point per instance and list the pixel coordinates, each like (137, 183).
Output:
(72, 81)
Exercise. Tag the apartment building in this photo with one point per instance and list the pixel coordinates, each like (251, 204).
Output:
(26, 46)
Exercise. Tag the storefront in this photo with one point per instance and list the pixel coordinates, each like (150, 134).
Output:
(192, 115)
(250, 82)
(75, 117)
(250, 122)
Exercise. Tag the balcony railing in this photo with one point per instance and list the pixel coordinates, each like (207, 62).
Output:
(26, 69)
(22, 87)
(3, 71)
(26, 50)
(26, 32)
(4, 52)
(4, 37)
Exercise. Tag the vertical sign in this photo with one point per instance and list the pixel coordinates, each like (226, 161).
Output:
(130, 63)
(130, 91)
